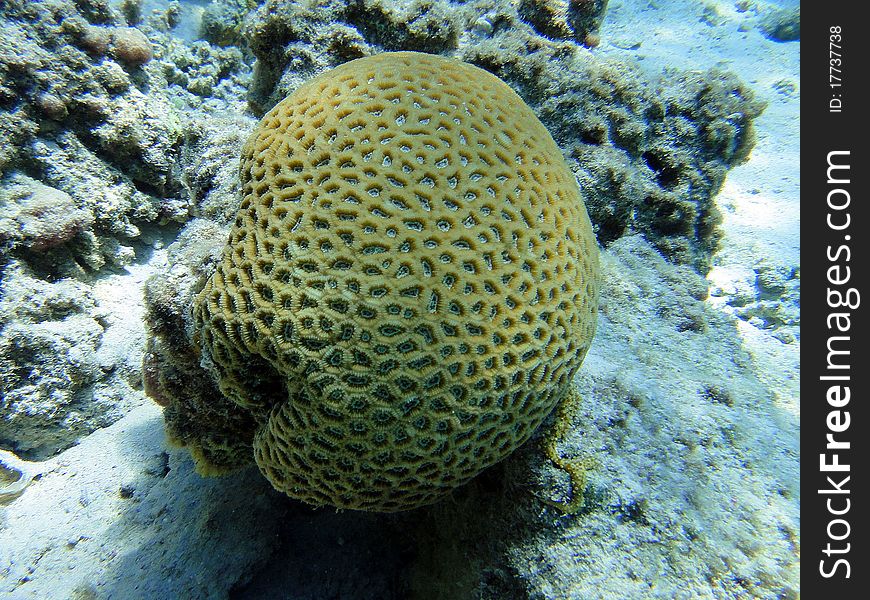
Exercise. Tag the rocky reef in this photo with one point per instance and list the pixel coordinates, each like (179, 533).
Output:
(95, 118)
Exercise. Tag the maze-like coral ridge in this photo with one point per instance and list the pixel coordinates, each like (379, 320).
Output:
(409, 286)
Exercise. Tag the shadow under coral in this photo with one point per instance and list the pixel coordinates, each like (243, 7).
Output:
(182, 535)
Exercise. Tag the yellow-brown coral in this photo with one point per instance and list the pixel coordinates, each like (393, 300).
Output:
(409, 287)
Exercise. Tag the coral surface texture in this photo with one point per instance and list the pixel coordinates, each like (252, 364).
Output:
(409, 286)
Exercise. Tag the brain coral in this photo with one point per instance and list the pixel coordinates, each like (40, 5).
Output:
(409, 286)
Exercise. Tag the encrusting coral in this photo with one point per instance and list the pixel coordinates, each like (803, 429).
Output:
(408, 289)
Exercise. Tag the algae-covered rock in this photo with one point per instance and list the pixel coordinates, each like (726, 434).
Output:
(114, 201)
(293, 41)
(768, 297)
(222, 22)
(210, 166)
(577, 19)
(49, 334)
(200, 67)
(76, 115)
(90, 139)
(420, 25)
(70, 359)
(38, 217)
(781, 24)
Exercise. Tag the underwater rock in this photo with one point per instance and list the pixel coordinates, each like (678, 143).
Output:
(38, 217)
(63, 76)
(209, 166)
(132, 11)
(70, 358)
(71, 116)
(52, 106)
(199, 67)
(775, 22)
(95, 11)
(90, 137)
(95, 40)
(781, 24)
(49, 334)
(139, 136)
(585, 17)
(223, 21)
(130, 46)
(15, 476)
(430, 26)
(292, 43)
(768, 298)
(114, 202)
(548, 17)
(577, 19)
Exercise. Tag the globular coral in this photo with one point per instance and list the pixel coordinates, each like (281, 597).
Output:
(130, 46)
(410, 284)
